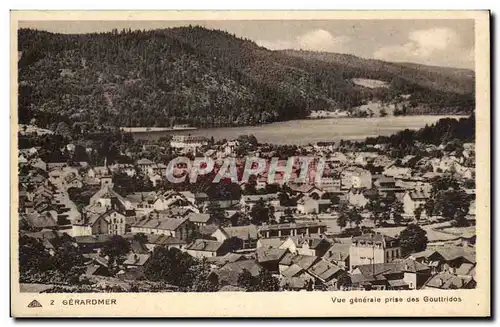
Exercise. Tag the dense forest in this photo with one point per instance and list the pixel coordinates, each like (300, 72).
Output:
(191, 75)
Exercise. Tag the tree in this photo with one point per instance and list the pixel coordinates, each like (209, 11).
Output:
(141, 238)
(452, 204)
(383, 112)
(264, 282)
(355, 216)
(67, 257)
(397, 209)
(116, 247)
(203, 279)
(259, 212)
(342, 220)
(343, 281)
(171, 266)
(413, 239)
(418, 212)
(63, 129)
(232, 244)
(245, 279)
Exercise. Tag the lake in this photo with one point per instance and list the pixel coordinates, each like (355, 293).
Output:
(305, 131)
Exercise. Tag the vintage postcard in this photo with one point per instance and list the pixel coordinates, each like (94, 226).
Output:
(250, 164)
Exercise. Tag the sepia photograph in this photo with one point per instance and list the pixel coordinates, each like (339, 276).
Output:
(185, 156)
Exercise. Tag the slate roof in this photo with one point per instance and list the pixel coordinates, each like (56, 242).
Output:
(337, 252)
(164, 240)
(292, 271)
(266, 255)
(446, 280)
(312, 242)
(198, 217)
(377, 271)
(144, 161)
(274, 242)
(419, 195)
(46, 220)
(170, 224)
(92, 239)
(324, 270)
(239, 266)
(245, 233)
(204, 245)
(265, 228)
(136, 259)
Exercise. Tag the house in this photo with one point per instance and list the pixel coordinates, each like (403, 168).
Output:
(144, 165)
(98, 171)
(373, 248)
(355, 177)
(357, 198)
(137, 261)
(227, 258)
(382, 161)
(291, 229)
(46, 220)
(324, 146)
(248, 201)
(188, 143)
(106, 196)
(199, 198)
(295, 278)
(229, 273)
(164, 240)
(307, 205)
(201, 219)
(230, 147)
(141, 202)
(73, 181)
(327, 275)
(338, 253)
(452, 259)
(127, 169)
(205, 248)
(414, 199)
(179, 228)
(38, 163)
(386, 185)
(336, 159)
(157, 169)
(306, 245)
(270, 243)
(101, 220)
(397, 172)
(248, 234)
(155, 179)
(448, 281)
(91, 243)
(21, 160)
(307, 189)
(401, 274)
(365, 158)
(269, 258)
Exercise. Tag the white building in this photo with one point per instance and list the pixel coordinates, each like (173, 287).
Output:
(356, 177)
(188, 142)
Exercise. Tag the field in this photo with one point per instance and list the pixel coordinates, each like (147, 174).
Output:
(369, 83)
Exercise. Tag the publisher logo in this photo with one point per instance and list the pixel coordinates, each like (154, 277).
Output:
(34, 304)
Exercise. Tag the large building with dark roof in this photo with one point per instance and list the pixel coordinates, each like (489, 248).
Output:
(373, 248)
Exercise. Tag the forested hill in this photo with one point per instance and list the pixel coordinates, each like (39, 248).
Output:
(206, 78)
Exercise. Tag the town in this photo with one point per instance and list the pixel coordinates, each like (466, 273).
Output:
(98, 213)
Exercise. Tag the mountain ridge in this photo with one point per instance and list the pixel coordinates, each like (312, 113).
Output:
(207, 78)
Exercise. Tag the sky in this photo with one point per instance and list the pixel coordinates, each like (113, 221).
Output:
(439, 42)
